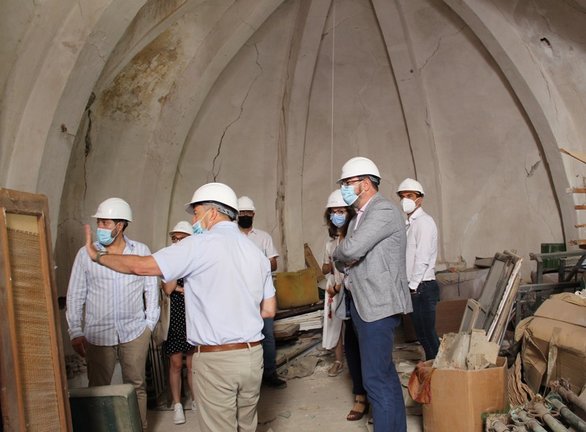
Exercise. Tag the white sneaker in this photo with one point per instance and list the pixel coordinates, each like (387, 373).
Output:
(179, 416)
(193, 406)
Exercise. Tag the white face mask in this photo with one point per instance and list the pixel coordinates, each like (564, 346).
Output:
(408, 205)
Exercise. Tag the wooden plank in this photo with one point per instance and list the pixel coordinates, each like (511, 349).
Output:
(11, 397)
(288, 352)
(18, 410)
(311, 262)
(577, 242)
(579, 190)
(580, 226)
(580, 207)
(50, 286)
(576, 155)
(286, 313)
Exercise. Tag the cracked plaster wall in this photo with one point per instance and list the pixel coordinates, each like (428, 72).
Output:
(494, 188)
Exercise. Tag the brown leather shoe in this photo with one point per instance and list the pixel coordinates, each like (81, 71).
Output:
(354, 414)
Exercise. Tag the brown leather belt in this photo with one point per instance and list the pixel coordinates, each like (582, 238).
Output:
(226, 347)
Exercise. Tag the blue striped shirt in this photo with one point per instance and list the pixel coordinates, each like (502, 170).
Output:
(118, 307)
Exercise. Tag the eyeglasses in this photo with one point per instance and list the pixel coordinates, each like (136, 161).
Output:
(351, 182)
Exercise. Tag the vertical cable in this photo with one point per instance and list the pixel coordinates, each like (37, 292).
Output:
(332, 101)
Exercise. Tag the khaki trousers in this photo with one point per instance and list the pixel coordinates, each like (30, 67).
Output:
(132, 356)
(227, 388)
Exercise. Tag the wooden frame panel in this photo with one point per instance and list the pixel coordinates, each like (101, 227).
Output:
(31, 359)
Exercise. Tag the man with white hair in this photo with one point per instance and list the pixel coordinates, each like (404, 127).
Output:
(228, 291)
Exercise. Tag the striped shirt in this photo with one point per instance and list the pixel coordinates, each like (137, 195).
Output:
(114, 302)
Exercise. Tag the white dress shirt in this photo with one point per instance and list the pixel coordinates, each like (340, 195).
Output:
(421, 248)
(264, 242)
(114, 302)
(226, 277)
(359, 213)
(337, 277)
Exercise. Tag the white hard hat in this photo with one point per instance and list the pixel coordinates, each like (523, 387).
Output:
(182, 227)
(214, 192)
(359, 166)
(245, 204)
(410, 185)
(114, 208)
(335, 200)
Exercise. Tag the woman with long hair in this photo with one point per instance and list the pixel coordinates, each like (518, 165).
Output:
(337, 217)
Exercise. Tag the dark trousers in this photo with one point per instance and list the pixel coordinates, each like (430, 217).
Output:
(379, 375)
(424, 302)
(352, 350)
(269, 347)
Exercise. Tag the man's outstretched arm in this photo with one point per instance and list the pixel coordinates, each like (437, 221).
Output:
(129, 264)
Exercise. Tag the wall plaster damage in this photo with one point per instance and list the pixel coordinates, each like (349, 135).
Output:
(147, 100)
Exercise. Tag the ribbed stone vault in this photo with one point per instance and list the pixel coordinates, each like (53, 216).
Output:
(147, 100)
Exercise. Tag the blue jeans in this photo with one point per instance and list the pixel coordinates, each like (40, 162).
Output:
(379, 375)
(269, 349)
(424, 302)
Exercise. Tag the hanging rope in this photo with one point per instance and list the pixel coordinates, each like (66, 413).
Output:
(333, 56)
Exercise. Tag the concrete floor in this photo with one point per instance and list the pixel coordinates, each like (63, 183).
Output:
(315, 402)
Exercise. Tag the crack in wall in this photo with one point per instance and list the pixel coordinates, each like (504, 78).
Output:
(438, 44)
(433, 54)
(87, 140)
(80, 8)
(100, 55)
(216, 169)
(532, 169)
(573, 5)
(282, 156)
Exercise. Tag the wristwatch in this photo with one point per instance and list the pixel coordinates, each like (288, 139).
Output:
(100, 254)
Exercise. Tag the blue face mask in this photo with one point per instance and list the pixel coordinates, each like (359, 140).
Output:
(338, 219)
(348, 194)
(198, 227)
(105, 236)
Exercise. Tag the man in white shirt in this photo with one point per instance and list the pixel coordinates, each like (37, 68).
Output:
(120, 310)
(228, 291)
(421, 257)
(264, 241)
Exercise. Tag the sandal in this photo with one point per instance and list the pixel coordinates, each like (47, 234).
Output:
(354, 415)
(335, 369)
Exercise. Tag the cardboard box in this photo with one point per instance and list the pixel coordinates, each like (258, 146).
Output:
(559, 321)
(448, 316)
(460, 397)
(296, 288)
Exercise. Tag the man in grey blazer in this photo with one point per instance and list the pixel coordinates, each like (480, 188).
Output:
(373, 257)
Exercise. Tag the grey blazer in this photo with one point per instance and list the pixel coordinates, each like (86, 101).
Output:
(377, 248)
